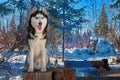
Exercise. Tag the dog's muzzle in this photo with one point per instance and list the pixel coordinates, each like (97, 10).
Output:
(40, 26)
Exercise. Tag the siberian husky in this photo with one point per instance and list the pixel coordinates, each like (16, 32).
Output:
(37, 36)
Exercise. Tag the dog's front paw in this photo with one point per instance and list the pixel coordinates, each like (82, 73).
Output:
(43, 69)
(30, 70)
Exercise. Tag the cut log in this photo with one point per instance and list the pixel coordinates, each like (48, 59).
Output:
(37, 75)
(77, 64)
(54, 74)
(64, 74)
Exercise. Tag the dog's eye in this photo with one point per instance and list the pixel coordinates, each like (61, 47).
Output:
(42, 17)
(36, 17)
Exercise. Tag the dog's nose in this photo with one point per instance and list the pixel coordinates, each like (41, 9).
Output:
(40, 23)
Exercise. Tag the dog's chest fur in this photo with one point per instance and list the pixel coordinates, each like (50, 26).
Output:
(38, 41)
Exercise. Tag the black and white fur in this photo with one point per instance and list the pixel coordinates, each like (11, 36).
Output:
(37, 58)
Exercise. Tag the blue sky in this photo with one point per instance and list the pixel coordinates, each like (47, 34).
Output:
(2, 1)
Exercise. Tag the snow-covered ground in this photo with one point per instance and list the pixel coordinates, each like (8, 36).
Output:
(104, 50)
(14, 62)
(17, 64)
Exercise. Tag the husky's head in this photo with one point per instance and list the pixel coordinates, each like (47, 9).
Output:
(38, 20)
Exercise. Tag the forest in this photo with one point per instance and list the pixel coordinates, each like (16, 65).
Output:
(72, 23)
(62, 14)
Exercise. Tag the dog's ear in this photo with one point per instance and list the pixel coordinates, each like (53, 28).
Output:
(34, 9)
(44, 10)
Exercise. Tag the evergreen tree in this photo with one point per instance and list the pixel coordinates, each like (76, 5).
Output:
(111, 33)
(102, 27)
(116, 18)
(4, 10)
(73, 18)
(117, 6)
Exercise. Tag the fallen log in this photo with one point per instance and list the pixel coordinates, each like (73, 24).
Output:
(77, 64)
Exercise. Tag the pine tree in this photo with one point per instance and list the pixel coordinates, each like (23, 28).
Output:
(111, 33)
(4, 9)
(116, 5)
(102, 27)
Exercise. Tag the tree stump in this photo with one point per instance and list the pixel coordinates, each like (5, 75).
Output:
(54, 74)
(64, 74)
(37, 75)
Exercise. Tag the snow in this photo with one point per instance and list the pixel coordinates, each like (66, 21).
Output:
(17, 59)
(16, 78)
(14, 62)
(87, 71)
(104, 50)
(60, 62)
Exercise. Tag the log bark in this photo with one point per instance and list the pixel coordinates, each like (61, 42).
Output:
(64, 74)
(54, 74)
(37, 75)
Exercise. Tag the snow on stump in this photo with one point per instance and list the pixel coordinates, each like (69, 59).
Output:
(64, 74)
(38, 75)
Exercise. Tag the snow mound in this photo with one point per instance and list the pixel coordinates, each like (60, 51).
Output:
(104, 46)
(102, 49)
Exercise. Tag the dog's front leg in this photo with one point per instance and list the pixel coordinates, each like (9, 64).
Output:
(44, 62)
(30, 61)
